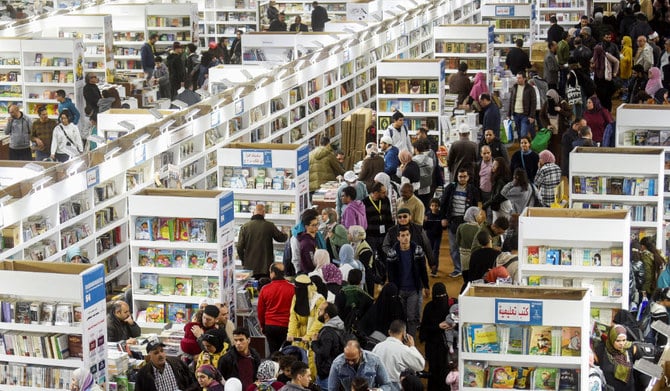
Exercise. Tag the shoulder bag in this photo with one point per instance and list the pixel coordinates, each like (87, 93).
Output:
(69, 139)
(574, 93)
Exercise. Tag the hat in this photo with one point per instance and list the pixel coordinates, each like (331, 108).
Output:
(303, 279)
(212, 311)
(386, 140)
(208, 370)
(653, 35)
(153, 343)
(404, 210)
(73, 252)
(547, 157)
(176, 45)
(369, 148)
(463, 129)
(350, 177)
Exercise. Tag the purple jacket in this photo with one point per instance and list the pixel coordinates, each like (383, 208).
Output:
(354, 214)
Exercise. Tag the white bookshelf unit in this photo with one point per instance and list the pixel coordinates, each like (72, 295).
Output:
(82, 325)
(273, 174)
(221, 18)
(416, 89)
(523, 308)
(512, 22)
(180, 237)
(578, 247)
(567, 14)
(621, 178)
(172, 22)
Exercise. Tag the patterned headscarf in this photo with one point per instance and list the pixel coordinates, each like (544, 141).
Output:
(331, 274)
(619, 358)
(267, 371)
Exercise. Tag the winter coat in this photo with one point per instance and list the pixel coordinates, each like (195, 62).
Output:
(69, 106)
(307, 245)
(306, 326)
(354, 214)
(371, 166)
(419, 273)
(255, 244)
(323, 167)
(145, 380)
(328, 346)
(228, 363)
(626, 65)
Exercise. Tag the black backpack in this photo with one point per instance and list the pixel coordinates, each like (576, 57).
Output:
(287, 259)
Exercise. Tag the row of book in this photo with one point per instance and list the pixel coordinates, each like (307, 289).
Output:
(42, 250)
(647, 137)
(35, 226)
(192, 259)
(473, 63)
(72, 208)
(175, 229)
(408, 86)
(512, 23)
(38, 377)
(52, 346)
(614, 185)
(516, 339)
(15, 310)
(201, 286)
(409, 106)
(155, 312)
(74, 234)
(43, 61)
(10, 61)
(600, 287)
(577, 256)
(12, 76)
(55, 77)
(460, 47)
(637, 212)
(479, 374)
(129, 36)
(161, 21)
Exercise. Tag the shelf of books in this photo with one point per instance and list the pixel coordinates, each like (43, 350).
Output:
(523, 337)
(471, 44)
(621, 178)
(283, 47)
(128, 35)
(221, 18)
(567, 13)
(416, 89)
(97, 35)
(49, 329)
(464, 12)
(11, 77)
(337, 10)
(578, 248)
(512, 22)
(181, 252)
(172, 22)
(275, 175)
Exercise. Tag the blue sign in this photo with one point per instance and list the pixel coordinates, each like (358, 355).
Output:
(520, 312)
(94, 286)
(226, 211)
(303, 159)
(256, 158)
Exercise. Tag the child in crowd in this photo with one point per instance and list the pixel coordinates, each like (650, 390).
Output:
(432, 224)
(453, 376)
(452, 333)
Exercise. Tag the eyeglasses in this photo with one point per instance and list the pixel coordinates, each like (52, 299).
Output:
(403, 216)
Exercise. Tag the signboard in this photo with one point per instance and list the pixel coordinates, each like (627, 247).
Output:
(226, 211)
(92, 176)
(303, 160)
(520, 312)
(93, 316)
(504, 10)
(256, 157)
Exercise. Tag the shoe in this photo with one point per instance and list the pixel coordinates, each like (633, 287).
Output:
(433, 274)
(455, 274)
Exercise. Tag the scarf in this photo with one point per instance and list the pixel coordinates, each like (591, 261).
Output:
(523, 159)
(619, 358)
(302, 299)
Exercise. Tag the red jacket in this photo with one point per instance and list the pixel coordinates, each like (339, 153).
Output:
(189, 344)
(274, 303)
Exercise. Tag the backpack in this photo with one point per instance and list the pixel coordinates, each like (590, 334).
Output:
(541, 140)
(425, 172)
(287, 259)
(644, 324)
(609, 135)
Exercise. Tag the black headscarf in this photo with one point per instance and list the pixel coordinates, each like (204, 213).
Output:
(301, 299)
(388, 308)
(320, 286)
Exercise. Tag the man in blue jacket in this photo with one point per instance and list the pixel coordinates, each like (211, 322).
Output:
(391, 160)
(65, 103)
(356, 362)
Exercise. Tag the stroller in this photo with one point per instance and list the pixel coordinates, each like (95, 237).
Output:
(300, 353)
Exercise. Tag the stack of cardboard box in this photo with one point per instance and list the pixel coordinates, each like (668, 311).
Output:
(354, 136)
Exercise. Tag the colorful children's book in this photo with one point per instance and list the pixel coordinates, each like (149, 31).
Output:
(155, 312)
(474, 374)
(484, 338)
(196, 259)
(566, 257)
(179, 258)
(164, 258)
(200, 286)
(178, 313)
(183, 229)
(149, 282)
(146, 257)
(533, 255)
(553, 256)
(501, 377)
(144, 228)
(522, 378)
(571, 341)
(166, 285)
(544, 379)
(198, 230)
(182, 286)
(166, 228)
(617, 256)
(540, 340)
(606, 255)
(568, 379)
(213, 287)
(210, 261)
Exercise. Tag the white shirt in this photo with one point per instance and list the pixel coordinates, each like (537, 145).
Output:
(59, 141)
(400, 138)
(398, 357)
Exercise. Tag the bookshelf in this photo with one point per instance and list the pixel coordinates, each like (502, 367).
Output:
(337, 10)
(172, 22)
(416, 89)
(575, 247)
(369, 10)
(221, 18)
(273, 174)
(621, 178)
(128, 36)
(74, 331)
(283, 47)
(521, 313)
(181, 251)
(11, 77)
(567, 13)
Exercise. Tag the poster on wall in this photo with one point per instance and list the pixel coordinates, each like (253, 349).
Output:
(92, 314)
(225, 242)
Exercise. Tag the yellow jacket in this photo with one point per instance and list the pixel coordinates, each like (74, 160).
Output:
(306, 327)
(626, 65)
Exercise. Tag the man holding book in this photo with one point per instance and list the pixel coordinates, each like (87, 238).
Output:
(120, 324)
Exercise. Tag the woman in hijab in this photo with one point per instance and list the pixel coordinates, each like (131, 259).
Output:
(500, 175)
(605, 67)
(387, 308)
(654, 82)
(332, 277)
(548, 177)
(409, 170)
(304, 318)
(465, 234)
(616, 359)
(209, 378)
(556, 116)
(321, 287)
(82, 380)
(213, 348)
(372, 165)
(626, 66)
(347, 261)
(661, 97)
(267, 376)
(362, 254)
(431, 333)
(334, 232)
(478, 87)
(321, 259)
(391, 191)
(597, 117)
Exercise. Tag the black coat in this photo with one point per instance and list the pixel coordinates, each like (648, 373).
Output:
(145, 376)
(228, 363)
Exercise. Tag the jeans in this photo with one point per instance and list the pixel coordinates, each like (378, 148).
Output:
(453, 250)
(276, 335)
(523, 125)
(323, 383)
(413, 302)
(435, 246)
(41, 155)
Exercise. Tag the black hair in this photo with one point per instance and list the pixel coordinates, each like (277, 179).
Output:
(502, 222)
(355, 277)
(331, 310)
(278, 271)
(350, 192)
(397, 115)
(521, 178)
(397, 326)
(483, 238)
(325, 140)
(242, 331)
(377, 186)
(307, 216)
(298, 368)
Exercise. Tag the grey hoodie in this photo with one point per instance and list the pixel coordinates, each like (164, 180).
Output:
(290, 386)
(328, 346)
(19, 132)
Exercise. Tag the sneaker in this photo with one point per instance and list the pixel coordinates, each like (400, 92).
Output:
(433, 274)
(455, 274)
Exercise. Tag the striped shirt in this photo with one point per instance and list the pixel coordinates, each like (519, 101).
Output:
(165, 381)
(458, 201)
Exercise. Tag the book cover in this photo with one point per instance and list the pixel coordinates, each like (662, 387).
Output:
(38, 59)
(553, 256)
(177, 313)
(166, 285)
(165, 229)
(211, 262)
(517, 340)
(534, 280)
(35, 312)
(64, 314)
(571, 341)
(199, 230)
(540, 340)
(23, 312)
(616, 256)
(149, 282)
(566, 257)
(544, 378)
(74, 345)
(199, 286)
(501, 377)
(568, 379)
(606, 257)
(164, 258)
(155, 312)
(179, 258)
(213, 287)
(522, 381)
(182, 286)
(196, 259)
(144, 228)
(183, 229)
(484, 338)
(146, 257)
(474, 374)
(48, 313)
(533, 255)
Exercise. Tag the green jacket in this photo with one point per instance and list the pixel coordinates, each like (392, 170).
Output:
(323, 167)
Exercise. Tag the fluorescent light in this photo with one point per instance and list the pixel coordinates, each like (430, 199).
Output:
(97, 139)
(247, 74)
(181, 104)
(192, 113)
(130, 127)
(157, 114)
(34, 167)
(111, 153)
(140, 140)
(166, 125)
(40, 183)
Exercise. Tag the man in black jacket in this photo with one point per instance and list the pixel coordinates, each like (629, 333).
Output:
(418, 236)
(92, 92)
(319, 17)
(241, 362)
(176, 68)
(161, 372)
(120, 324)
(329, 343)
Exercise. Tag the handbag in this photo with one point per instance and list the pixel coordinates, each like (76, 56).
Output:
(574, 93)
